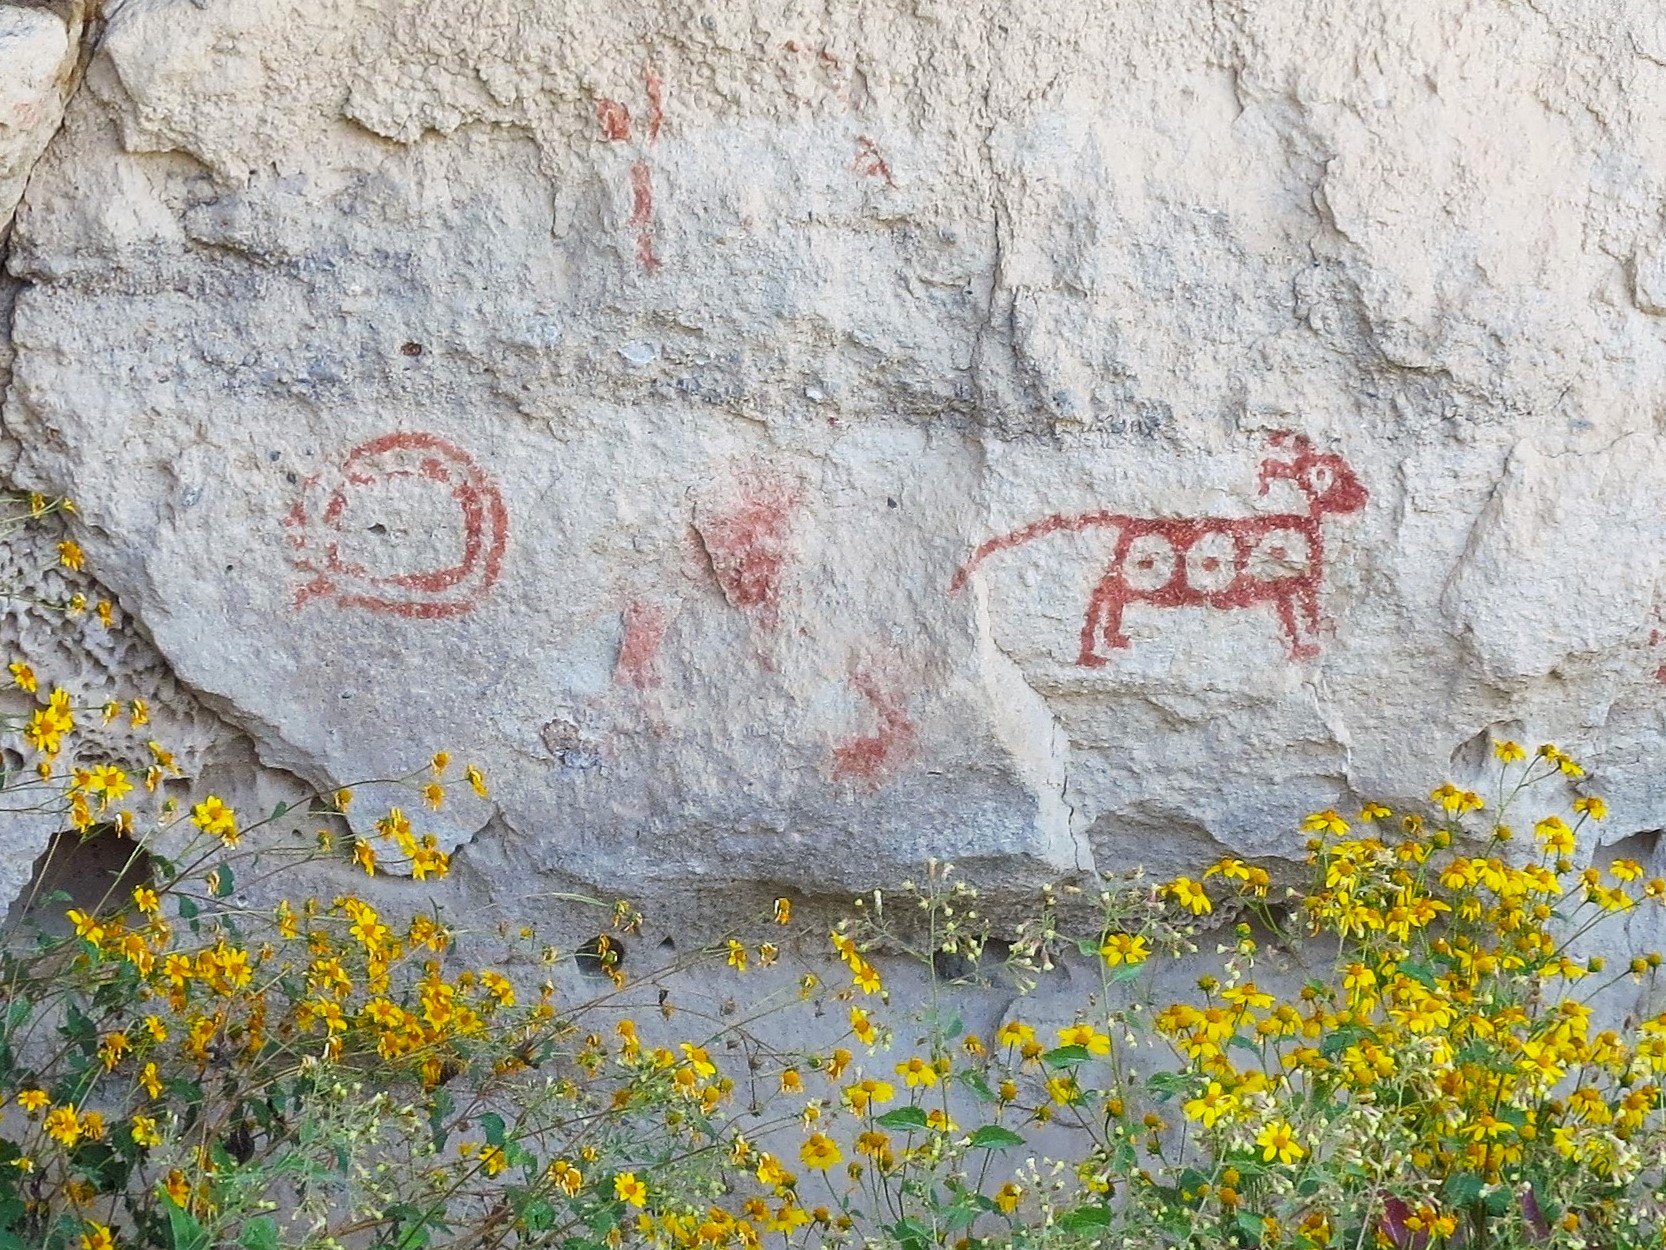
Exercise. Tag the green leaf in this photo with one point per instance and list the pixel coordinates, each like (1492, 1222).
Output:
(1463, 1189)
(260, 1233)
(1085, 1219)
(280, 811)
(994, 1137)
(904, 1119)
(537, 1214)
(974, 1080)
(1125, 972)
(188, 909)
(440, 1105)
(1168, 1084)
(1419, 972)
(492, 1122)
(910, 1234)
(1251, 1226)
(183, 1230)
(224, 881)
(1339, 1039)
(1066, 1056)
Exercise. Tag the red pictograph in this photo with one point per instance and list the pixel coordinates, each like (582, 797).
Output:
(644, 634)
(615, 121)
(746, 539)
(440, 567)
(869, 757)
(1214, 562)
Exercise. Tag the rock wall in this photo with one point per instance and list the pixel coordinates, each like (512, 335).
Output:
(781, 442)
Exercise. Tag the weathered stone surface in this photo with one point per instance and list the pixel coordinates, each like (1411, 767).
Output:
(37, 56)
(637, 397)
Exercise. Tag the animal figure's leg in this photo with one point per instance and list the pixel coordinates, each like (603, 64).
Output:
(1309, 595)
(1104, 613)
(1114, 637)
(1300, 649)
(1088, 657)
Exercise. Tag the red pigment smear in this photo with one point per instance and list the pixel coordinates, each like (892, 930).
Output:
(869, 757)
(869, 163)
(642, 214)
(615, 119)
(638, 664)
(656, 101)
(747, 547)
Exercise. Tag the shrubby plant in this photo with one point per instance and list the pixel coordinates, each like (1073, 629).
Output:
(187, 1068)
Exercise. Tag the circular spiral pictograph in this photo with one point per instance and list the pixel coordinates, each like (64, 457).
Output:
(408, 525)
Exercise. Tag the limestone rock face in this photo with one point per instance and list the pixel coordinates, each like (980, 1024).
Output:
(37, 56)
(780, 445)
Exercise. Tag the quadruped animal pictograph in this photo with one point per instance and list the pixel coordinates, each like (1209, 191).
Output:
(1213, 562)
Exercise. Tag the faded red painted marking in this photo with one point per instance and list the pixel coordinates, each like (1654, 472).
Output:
(476, 511)
(747, 546)
(869, 163)
(654, 85)
(615, 120)
(869, 757)
(1215, 562)
(638, 664)
(642, 214)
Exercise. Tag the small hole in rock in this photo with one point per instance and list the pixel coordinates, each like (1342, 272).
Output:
(953, 965)
(95, 873)
(412, 349)
(380, 530)
(601, 955)
(667, 944)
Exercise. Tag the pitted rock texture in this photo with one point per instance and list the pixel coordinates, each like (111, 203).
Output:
(780, 444)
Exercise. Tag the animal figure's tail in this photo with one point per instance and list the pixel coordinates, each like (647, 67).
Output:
(1036, 529)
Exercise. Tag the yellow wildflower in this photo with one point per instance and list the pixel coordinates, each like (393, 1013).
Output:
(1123, 948)
(1278, 1141)
(1327, 821)
(63, 1125)
(820, 1152)
(1190, 895)
(213, 817)
(917, 1071)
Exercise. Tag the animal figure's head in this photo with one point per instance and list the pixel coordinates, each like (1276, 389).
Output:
(1324, 477)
